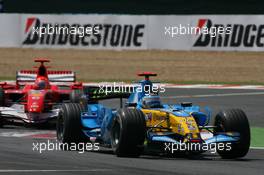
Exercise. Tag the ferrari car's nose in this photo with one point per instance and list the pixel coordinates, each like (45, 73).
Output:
(35, 101)
(34, 108)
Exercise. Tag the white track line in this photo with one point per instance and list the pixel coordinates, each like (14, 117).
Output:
(256, 147)
(181, 86)
(191, 86)
(34, 171)
(218, 86)
(215, 95)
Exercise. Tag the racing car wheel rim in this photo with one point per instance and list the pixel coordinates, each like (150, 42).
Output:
(60, 128)
(219, 126)
(116, 133)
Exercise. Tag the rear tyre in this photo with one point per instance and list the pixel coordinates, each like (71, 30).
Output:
(2, 97)
(1, 121)
(128, 133)
(76, 95)
(234, 120)
(2, 103)
(69, 127)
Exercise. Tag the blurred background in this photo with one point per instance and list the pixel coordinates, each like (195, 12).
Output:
(135, 6)
(169, 57)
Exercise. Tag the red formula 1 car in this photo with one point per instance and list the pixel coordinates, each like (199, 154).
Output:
(36, 95)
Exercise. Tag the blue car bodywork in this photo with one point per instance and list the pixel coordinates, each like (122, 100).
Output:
(98, 119)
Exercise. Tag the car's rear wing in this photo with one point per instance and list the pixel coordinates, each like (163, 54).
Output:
(53, 75)
(96, 93)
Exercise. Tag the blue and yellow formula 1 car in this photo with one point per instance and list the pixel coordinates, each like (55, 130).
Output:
(144, 122)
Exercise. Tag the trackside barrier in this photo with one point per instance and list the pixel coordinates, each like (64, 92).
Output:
(133, 32)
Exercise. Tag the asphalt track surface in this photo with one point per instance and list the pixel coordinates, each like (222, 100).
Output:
(17, 155)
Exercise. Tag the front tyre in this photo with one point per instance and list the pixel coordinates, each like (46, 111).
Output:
(69, 127)
(234, 120)
(128, 133)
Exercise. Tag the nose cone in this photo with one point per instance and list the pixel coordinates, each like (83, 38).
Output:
(35, 102)
(35, 108)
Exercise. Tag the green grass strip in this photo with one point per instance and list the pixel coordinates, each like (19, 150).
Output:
(257, 137)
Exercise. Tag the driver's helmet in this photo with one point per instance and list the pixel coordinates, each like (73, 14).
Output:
(151, 101)
(41, 83)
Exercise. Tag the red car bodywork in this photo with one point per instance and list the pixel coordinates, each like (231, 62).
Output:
(35, 94)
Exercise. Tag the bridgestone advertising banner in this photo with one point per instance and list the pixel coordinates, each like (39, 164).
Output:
(134, 32)
(84, 31)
